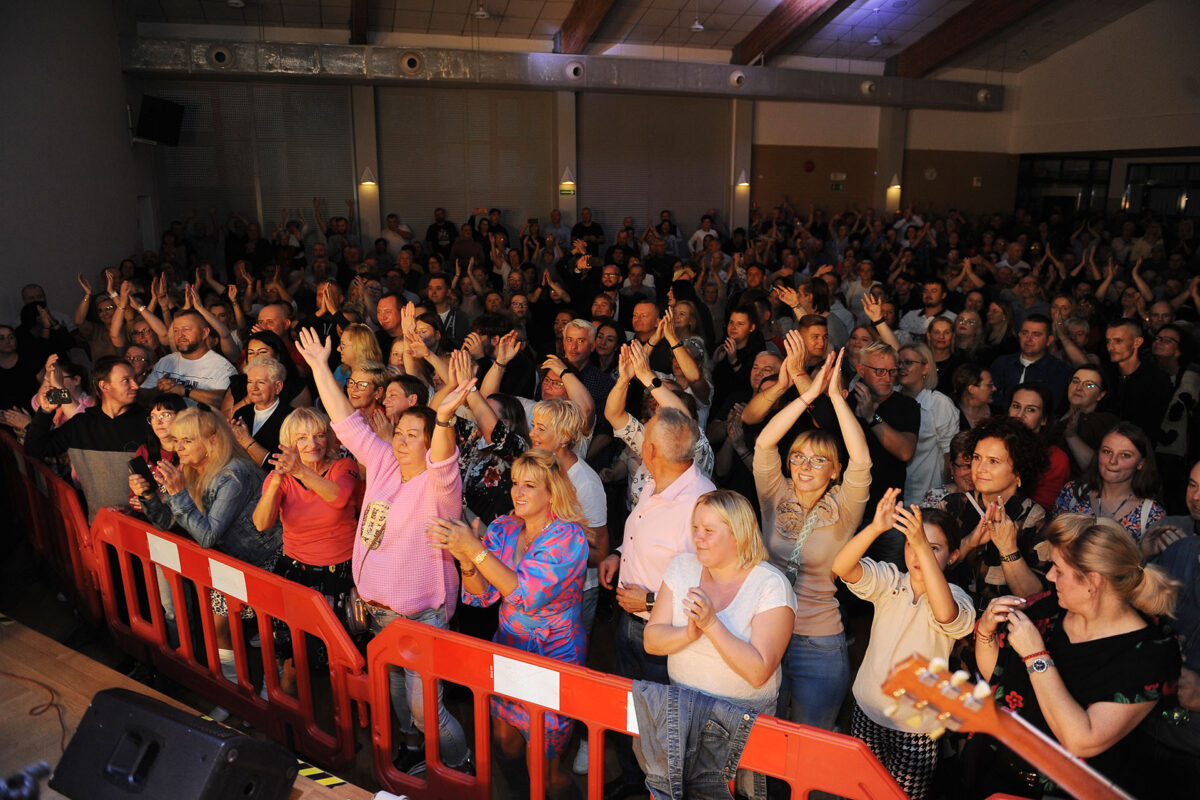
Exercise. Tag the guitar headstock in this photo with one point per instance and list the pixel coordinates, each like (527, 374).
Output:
(925, 689)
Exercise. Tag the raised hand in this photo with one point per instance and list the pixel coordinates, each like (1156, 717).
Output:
(625, 364)
(555, 365)
(312, 349)
(873, 306)
(835, 389)
(821, 380)
(796, 353)
(473, 345)
(508, 347)
(641, 362)
(286, 461)
(87, 287)
(416, 346)
(885, 510)
(408, 319)
(454, 399)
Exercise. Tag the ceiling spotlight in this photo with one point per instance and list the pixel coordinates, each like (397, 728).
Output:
(481, 13)
(875, 41)
(697, 25)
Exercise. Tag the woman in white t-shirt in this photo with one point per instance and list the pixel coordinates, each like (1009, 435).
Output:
(724, 616)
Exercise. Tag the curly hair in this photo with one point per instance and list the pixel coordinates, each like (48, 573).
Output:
(1028, 454)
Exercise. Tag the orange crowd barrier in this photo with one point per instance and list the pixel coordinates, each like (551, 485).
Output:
(49, 508)
(132, 549)
(805, 758)
(111, 569)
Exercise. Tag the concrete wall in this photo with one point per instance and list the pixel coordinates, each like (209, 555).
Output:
(69, 198)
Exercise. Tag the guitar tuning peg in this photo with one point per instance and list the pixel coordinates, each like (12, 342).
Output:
(914, 721)
(891, 710)
(938, 664)
(936, 733)
(959, 678)
(981, 691)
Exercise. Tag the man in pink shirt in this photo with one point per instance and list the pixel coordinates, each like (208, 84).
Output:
(658, 529)
(396, 571)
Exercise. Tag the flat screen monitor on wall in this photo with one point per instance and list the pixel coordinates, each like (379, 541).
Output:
(159, 121)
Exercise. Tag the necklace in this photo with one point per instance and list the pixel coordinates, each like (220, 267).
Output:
(1115, 514)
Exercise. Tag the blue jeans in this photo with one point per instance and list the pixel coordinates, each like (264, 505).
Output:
(816, 675)
(632, 661)
(407, 702)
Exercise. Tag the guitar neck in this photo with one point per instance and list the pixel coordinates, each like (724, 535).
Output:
(1072, 774)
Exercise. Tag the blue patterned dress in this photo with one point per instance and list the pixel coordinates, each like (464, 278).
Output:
(542, 615)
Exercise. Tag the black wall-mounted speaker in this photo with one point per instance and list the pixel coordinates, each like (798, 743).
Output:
(159, 120)
(129, 745)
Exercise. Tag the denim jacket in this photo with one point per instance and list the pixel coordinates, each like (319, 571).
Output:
(227, 523)
(690, 742)
(1182, 560)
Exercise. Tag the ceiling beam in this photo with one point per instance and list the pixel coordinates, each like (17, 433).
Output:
(968, 28)
(580, 25)
(358, 22)
(789, 19)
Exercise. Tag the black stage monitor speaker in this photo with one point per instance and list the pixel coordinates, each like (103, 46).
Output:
(160, 120)
(132, 746)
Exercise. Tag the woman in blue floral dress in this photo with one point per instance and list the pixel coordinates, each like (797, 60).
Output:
(533, 561)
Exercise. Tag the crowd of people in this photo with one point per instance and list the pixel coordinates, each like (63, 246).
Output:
(979, 432)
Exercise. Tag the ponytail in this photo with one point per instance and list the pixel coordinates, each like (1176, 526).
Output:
(1104, 547)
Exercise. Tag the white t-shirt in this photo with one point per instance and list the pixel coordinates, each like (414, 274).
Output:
(699, 666)
(939, 424)
(589, 489)
(210, 373)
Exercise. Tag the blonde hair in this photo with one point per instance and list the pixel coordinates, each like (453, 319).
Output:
(210, 429)
(375, 372)
(359, 341)
(926, 353)
(736, 512)
(543, 467)
(821, 444)
(308, 420)
(1102, 546)
(563, 420)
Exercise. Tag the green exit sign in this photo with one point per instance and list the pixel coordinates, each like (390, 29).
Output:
(566, 191)
(837, 186)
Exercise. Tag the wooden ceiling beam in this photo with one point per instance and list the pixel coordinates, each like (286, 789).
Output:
(358, 22)
(581, 24)
(968, 28)
(789, 19)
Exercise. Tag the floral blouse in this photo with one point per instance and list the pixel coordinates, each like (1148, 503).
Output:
(1069, 502)
(485, 468)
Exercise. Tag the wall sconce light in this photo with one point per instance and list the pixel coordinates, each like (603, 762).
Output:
(742, 179)
(892, 200)
(566, 185)
(368, 178)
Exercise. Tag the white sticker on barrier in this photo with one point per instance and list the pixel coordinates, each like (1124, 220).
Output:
(525, 682)
(630, 715)
(163, 552)
(230, 580)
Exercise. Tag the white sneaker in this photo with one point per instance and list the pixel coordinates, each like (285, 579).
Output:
(580, 765)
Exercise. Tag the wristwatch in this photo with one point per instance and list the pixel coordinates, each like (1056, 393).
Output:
(1039, 664)
(655, 382)
(875, 420)
(649, 601)
(1011, 557)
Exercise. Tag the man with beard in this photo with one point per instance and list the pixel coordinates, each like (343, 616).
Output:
(440, 235)
(193, 370)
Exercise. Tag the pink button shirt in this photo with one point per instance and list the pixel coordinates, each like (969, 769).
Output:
(405, 573)
(660, 528)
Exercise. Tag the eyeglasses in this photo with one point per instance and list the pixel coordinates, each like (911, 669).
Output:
(1161, 338)
(907, 363)
(134, 359)
(104, 309)
(1084, 384)
(971, 322)
(883, 372)
(164, 416)
(352, 384)
(799, 460)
